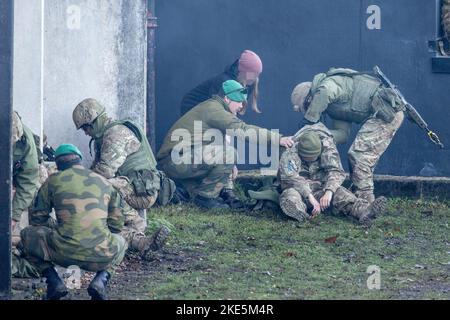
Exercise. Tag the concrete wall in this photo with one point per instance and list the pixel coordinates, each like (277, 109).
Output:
(297, 39)
(92, 48)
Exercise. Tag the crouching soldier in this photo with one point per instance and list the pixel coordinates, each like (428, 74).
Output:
(311, 176)
(210, 182)
(123, 156)
(86, 232)
(347, 97)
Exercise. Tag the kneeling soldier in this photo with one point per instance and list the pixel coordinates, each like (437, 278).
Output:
(123, 156)
(210, 183)
(87, 229)
(311, 176)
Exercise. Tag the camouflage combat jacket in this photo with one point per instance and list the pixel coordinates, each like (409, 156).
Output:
(87, 211)
(325, 173)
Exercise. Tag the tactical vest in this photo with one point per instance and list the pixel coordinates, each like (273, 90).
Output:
(140, 167)
(359, 108)
(143, 159)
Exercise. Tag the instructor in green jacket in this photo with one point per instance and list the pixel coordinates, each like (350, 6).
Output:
(206, 168)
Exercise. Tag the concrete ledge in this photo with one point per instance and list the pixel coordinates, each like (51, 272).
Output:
(433, 188)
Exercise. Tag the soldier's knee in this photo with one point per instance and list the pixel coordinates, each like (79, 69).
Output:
(292, 194)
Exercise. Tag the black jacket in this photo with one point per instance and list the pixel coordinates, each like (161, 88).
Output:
(210, 87)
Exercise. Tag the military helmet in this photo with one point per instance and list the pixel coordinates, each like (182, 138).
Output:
(309, 144)
(17, 128)
(299, 95)
(86, 112)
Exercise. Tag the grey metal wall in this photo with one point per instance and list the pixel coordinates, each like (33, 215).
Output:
(91, 48)
(297, 39)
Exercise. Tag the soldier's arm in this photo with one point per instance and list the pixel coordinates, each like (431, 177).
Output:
(288, 173)
(223, 120)
(331, 163)
(328, 92)
(115, 214)
(39, 213)
(118, 143)
(341, 131)
(26, 181)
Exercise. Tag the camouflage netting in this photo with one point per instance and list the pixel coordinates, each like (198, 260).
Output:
(446, 17)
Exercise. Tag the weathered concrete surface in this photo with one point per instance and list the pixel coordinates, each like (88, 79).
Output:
(92, 48)
(435, 188)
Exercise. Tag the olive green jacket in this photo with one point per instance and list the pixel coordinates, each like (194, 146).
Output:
(345, 99)
(25, 173)
(211, 114)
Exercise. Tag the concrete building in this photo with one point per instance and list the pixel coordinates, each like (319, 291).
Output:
(68, 50)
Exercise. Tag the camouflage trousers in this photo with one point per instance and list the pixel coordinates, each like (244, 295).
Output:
(370, 143)
(134, 226)
(126, 191)
(40, 255)
(343, 202)
(205, 179)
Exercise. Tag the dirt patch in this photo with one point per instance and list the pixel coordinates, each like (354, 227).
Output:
(129, 281)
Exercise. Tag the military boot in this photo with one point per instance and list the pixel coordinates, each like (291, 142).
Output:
(56, 289)
(144, 244)
(159, 238)
(209, 203)
(294, 209)
(97, 287)
(180, 195)
(366, 214)
(231, 199)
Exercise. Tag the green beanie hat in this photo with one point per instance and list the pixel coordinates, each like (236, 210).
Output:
(67, 148)
(309, 144)
(234, 91)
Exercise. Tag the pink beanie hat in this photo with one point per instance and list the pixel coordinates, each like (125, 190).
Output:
(250, 62)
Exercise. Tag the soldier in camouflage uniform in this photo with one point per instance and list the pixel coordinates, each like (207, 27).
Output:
(208, 182)
(86, 232)
(25, 173)
(311, 176)
(123, 156)
(347, 97)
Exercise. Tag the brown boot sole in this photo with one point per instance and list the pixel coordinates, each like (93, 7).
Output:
(290, 209)
(377, 207)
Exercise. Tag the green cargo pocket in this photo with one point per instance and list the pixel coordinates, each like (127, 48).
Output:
(166, 191)
(383, 106)
(145, 182)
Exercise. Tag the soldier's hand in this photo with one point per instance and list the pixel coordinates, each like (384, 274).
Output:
(13, 226)
(286, 142)
(326, 200)
(315, 204)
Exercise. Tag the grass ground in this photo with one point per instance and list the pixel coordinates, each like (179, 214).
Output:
(263, 255)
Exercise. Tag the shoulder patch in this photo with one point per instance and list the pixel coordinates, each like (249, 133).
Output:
(292, 167)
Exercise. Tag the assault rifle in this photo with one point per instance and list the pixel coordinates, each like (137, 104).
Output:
(412, 113)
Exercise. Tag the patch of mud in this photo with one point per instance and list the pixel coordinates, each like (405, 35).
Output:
(130, 282)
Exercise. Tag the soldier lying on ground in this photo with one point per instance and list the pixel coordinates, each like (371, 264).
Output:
(311, 177)
(123, 156)
(86, 232)
(211, 184)
(347, 97)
